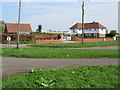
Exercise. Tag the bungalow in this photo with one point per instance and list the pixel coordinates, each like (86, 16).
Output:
(94, 29)
(12, 28)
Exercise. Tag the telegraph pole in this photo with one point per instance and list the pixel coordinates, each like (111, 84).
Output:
(82, 21)
(18, 34)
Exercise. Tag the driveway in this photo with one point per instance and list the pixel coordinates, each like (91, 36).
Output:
(15, 66)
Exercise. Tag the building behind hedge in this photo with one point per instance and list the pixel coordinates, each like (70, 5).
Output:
(12, 28)
(94, 29)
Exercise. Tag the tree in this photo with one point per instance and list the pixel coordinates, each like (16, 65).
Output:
(2, 26)
(39, 28)
(113, 33)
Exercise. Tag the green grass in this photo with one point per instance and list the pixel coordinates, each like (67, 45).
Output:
(86, 44)
(58, 53)
(21, 42)
(77, 77)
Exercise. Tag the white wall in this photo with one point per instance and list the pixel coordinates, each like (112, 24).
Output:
(100, 31)
(76, 30)
(91, 31)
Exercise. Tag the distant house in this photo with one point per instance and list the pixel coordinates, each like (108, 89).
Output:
(94, 29)
(12, 28)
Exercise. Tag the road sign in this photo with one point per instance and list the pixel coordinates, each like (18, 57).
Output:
(8, 38)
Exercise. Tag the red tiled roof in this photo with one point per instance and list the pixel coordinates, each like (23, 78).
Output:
(88, 26)
(13, 27)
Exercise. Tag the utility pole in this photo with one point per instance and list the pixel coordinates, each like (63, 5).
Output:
(18, 34)
(82, 21)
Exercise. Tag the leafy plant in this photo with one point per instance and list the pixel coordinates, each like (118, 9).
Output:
(45, 83)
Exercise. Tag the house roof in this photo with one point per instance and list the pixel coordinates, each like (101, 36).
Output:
(13, 27)
(88, 25)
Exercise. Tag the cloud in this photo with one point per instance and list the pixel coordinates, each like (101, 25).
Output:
(106, 13)
(59, 16)
(60, 0)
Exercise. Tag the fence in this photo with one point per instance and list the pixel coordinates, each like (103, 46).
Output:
(92, 39)
(48, 41)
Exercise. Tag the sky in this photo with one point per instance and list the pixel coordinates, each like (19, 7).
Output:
(60, 16)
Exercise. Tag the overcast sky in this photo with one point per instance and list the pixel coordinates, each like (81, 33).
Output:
(61, 15)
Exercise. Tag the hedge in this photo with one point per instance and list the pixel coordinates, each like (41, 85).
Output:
(28, 37)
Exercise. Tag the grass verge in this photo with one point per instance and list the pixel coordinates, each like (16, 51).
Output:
(86, 44)
(21, 42)
(58, 53)
(77, 77)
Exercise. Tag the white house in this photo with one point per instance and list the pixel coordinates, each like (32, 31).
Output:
(94, 29)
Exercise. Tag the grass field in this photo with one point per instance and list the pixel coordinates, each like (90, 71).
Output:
(86, 44)
(58, 53)
(77, 77)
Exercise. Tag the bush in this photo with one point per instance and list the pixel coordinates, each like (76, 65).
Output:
(23, 37)
(30, 37)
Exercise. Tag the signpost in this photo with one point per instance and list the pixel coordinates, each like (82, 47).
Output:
(9, 39)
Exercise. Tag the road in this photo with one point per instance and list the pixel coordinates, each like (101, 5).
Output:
(15, 66)
(107, 47)
(13, 46)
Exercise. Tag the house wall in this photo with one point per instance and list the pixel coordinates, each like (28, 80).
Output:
(91, 30)
(101, 32)
(76, 31)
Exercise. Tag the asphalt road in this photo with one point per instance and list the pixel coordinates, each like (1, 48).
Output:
(15, 66)
(107, 47)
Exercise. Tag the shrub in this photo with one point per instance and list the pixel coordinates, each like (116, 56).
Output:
(30, 37)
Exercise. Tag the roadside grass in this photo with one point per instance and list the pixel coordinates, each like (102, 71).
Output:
(21, 42)
(58, 53)
(86, 44)
(76, 77)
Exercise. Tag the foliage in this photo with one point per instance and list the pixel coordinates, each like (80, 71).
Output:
(2, 25)
(58, 53)
(113, 33)
(108, 35)
(39, 28)
(1, 29)
(86, 44)
(23, 37)
(30, 37)
(77, 77)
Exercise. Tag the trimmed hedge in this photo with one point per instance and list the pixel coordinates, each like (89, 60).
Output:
(23, 37)
(28, 37)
